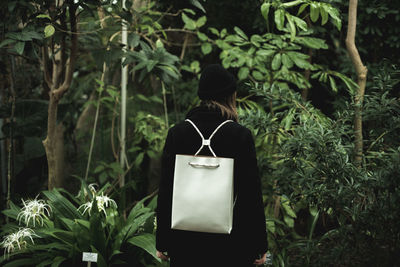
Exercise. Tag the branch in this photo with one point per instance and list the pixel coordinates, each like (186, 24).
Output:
(72, 57)
(46, 71)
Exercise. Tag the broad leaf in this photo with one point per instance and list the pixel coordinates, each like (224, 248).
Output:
(276, 61)
(265, 10)
(145, 241)
(206, 48)
(49, 30)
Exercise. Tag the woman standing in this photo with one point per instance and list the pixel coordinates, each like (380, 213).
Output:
(246, 245)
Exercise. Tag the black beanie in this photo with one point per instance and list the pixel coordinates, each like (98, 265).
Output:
(216, 83)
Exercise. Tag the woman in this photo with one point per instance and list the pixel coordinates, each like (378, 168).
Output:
(246, 245)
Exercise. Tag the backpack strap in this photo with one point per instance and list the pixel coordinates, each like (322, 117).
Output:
(206, 142)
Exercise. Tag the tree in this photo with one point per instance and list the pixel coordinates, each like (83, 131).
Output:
(58, 79)
(361, 72)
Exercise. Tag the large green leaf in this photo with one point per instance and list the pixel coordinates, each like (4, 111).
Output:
(314, 12)
(265, 10)
(276, 61)
(147, 242)
(61, 206)
(131, 227)
(65, 237)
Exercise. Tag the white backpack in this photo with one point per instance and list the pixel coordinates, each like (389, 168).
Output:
(202, 198)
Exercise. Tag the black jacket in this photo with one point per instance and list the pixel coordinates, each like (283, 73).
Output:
(248, 234)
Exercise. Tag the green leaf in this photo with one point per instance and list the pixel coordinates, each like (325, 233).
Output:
(265, 10)
(240, 33)
(271, 226)
(292, 27)
(312, 42)
(243, 73)
(265, 53)
(206, 48)
(62, 206)
(289, 221)
(286, 206)
(57, 261)
(286, 61)
(43, 16)
(19, 263)
(145, 241)
(189, 23)
(201, 21)
(313, 211)
(293, 3)
(302, 7)
(188, 10)
(279, 18)
(300, 23)
(150, 65)
(197, 4)
(276, 61)
(19, 47)
(334, 14)
(314, 12)
(6, 42)
(99, 169)
(49, 30)
(96, 230)
(214, 31)
(299, 59)
(333, 84)
(202, 36)
(257, 75)
(324, 15)
(351, 85)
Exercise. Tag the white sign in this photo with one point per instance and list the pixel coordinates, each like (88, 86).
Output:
(88, 256)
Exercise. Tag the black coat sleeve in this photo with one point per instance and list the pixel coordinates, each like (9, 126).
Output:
(251, 207)
(164, 201)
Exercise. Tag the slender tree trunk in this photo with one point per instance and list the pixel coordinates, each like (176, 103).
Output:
(361, 72)
(59, 81)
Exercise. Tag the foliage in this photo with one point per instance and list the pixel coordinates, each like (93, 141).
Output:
(69, 231)
(321, 208)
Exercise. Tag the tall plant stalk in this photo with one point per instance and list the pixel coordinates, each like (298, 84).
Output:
(100, 12)
(11, 144)
(164, 93)
(124, 82)
(95, 120)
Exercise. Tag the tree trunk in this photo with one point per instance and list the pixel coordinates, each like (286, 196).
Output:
(58, 80)
(361, 72)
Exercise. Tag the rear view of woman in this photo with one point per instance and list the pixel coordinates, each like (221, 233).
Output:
(246, 245)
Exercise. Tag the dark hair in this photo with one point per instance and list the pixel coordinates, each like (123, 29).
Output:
(227, 106)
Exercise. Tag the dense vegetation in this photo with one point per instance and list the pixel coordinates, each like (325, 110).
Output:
(328, 152)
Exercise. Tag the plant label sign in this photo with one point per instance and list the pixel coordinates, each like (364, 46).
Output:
(89, 256)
